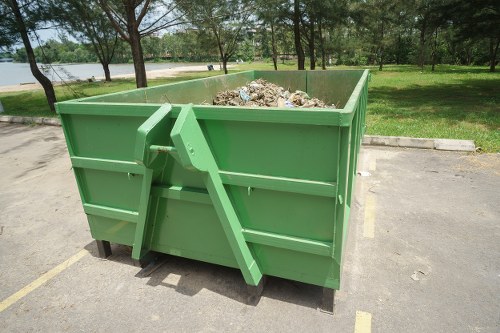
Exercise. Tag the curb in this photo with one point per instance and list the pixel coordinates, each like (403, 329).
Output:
(421, 143)
(30, 120)
(369, 140)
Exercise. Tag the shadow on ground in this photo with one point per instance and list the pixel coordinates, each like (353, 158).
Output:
(189, 277)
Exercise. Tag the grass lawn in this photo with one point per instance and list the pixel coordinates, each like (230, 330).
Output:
(453, 102)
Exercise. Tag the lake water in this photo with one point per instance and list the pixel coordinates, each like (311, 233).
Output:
(16, 73)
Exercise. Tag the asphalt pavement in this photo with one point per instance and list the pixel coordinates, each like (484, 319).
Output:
(423, 255)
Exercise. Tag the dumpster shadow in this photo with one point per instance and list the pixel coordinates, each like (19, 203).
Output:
(119, 253)
(189, 277)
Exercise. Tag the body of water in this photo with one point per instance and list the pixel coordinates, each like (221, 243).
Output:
(16, 73)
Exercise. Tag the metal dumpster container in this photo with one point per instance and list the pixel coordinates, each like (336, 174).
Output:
(264, 190)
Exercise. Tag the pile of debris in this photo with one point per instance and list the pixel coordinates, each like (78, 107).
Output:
(263, 93)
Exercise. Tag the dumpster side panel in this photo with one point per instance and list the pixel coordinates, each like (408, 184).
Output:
(333, 88)
(298, 266)
(110, 188)
(274, 149)
(101, 147)
(112, 230)
(285, 213)
(111, 138)
(191, 230)
(292, 80)
(198, 91)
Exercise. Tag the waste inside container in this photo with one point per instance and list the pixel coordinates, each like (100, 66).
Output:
(264, 190)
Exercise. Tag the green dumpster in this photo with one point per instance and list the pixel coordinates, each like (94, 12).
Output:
(264, 190)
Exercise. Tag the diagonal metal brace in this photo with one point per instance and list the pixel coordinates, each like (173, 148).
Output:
(195, 154)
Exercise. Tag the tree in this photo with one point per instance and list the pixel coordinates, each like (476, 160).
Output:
(477, 20)
(270, 12)
(296, 15)
(86, 22)
(134, 19)
(225, 21)
(21, 17)
(377, 17)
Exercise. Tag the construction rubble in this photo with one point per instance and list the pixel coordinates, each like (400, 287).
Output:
(265, 94)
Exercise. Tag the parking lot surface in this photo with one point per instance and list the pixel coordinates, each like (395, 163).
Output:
(422, 255)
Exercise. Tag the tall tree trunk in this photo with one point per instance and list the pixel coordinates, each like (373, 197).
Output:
(312, 37)
(273, 46)
(138, 58)
(322, 45)
(423, 30)
(434, 50)
(398, 53)
(493, 53)
(136, 48)
(224, 63)
(223, 56)
(296, 31)
(381, 59)
(44, 81)
(107, 74)
(381, 48)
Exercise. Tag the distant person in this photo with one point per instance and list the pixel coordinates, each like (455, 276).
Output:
(210, 67)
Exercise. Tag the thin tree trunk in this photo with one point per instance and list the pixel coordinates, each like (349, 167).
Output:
(381, 49)
(493, 53)
(322, 45)
(381, 61)
(273, 46)
(222, 53)
(398, 53)
(421, 57)
(434, 49)
(44, 81)
(312, 37)
(296, 31)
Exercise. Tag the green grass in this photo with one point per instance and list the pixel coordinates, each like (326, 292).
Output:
(455, 102)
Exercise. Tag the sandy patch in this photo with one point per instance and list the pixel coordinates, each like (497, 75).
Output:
(153, 74)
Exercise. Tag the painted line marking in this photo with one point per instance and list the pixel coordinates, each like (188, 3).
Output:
(6, 303)
(363, 322)
(369, 224)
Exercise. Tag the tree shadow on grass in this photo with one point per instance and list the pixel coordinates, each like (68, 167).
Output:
(472, 100)
(440, 69)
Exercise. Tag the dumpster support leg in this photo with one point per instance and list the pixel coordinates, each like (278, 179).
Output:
(103, 248)
(328, 300)
(195, 154)
(254, 292)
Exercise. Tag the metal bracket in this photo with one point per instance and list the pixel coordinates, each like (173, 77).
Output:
(194, 153)
(150, 130)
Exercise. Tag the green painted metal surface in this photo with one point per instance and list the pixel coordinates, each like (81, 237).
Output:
(264, 190)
